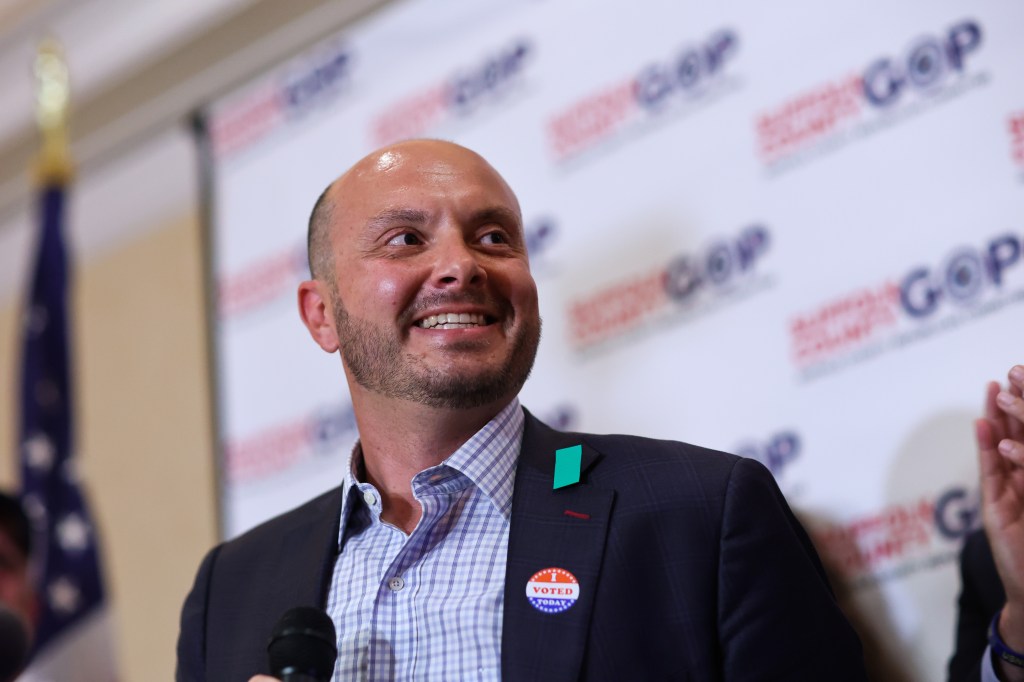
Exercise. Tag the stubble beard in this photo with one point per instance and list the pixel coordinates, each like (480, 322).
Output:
(378, 363)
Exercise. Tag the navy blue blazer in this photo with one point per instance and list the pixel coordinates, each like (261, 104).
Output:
(690, 563)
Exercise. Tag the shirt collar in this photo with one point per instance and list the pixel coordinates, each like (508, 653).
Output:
(488, 459)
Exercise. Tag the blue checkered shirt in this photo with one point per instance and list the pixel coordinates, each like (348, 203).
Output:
(428, 606)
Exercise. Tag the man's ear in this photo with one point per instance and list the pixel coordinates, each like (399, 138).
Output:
(317, 314)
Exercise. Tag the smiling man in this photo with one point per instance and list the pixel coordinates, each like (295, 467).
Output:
(450, 551)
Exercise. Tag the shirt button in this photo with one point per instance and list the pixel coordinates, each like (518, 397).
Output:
(396, 584)
(370, 498)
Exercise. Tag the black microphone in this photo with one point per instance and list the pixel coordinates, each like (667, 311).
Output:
(13, 644)
(303, 647)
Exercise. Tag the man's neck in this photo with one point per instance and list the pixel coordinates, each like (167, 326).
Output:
(399, 439)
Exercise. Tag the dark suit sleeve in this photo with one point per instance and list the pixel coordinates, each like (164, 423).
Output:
(192, 635)
(778, 617)
(973, 616)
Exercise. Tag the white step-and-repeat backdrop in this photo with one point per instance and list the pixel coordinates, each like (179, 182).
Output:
(787, 230)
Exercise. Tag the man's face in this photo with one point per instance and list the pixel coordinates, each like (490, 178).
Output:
(434, 301)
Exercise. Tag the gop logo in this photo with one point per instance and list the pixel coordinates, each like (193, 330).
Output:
(926, 64)
(469, 86)
(301, 89)
(961, 279)
(331, 426)
(562, 417)
(957, 513)
(717, 266)
(776, 453)
(692, 67)
(539, 235)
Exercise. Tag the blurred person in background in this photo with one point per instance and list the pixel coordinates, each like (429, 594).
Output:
(990, 627)
(18, 606)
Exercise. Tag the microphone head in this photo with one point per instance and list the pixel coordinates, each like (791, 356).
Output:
(304, 643)
(13, 644)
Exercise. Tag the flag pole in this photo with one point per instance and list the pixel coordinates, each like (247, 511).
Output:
(71, 628)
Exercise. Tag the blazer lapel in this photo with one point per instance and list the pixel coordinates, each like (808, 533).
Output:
(566, 529)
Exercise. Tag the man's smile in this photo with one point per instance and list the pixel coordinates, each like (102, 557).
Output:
(454, 321)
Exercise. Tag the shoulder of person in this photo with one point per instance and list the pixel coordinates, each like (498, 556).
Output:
(315, 511)
(626, 450)
(667, 470)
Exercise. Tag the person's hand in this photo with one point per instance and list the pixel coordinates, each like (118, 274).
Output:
(1000, 436)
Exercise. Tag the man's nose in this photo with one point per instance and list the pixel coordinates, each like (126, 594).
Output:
(457, 263)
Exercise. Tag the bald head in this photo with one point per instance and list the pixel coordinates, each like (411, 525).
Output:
(431, 155)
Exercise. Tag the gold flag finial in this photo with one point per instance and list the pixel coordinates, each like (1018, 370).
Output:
(53, 98)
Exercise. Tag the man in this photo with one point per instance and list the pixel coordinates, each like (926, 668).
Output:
(18, 606)
(454, 549)
(990, 627)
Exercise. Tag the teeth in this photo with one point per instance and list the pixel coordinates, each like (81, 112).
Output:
(452, 321)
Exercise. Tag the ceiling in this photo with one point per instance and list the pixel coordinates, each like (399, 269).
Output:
(105, 40)
(138, 66)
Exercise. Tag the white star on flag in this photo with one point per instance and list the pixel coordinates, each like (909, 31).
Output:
(64, 595)
(39, 452)
(35, 509)
(73, 533)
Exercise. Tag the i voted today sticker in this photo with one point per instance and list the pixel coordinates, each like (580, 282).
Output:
(552, 590)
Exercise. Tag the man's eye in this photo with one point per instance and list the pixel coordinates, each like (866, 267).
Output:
(494, 238)
(404, 239)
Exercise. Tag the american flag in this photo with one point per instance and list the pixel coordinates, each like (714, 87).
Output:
(65, 553)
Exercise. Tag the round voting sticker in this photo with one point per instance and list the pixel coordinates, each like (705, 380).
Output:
(552, 590)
